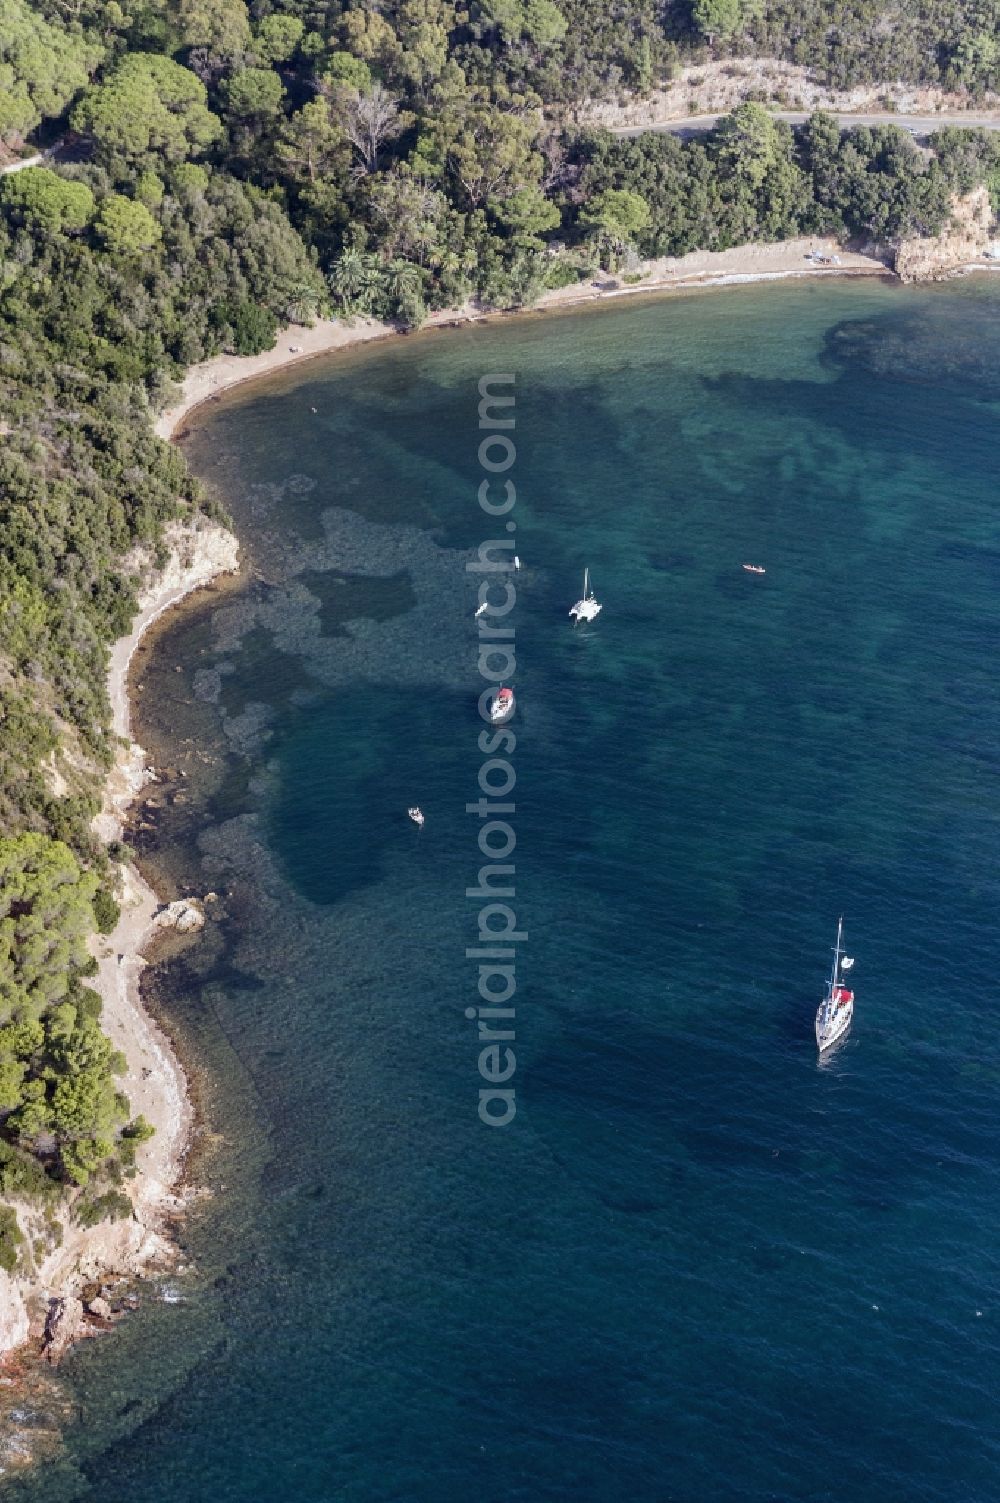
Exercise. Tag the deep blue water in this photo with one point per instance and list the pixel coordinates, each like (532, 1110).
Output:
(697, 1266)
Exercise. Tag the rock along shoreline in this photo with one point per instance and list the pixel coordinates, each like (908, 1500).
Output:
(44, 1310)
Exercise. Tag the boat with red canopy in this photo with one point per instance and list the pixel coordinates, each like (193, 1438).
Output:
(502, 706)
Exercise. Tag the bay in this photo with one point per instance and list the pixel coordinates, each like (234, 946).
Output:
(697, 1265)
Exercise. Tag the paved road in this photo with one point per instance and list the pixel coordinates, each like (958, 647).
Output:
(917, 125)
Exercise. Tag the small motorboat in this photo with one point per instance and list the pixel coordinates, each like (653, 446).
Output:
(502, 706)
(755, 568)
(481, 611)
(417, 815)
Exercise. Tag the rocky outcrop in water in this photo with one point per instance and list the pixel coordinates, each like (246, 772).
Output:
(184, 915)
(64, 1324)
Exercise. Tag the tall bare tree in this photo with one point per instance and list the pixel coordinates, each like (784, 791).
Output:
(370, 118)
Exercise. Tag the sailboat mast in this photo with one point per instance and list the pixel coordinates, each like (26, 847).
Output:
(586, 583)
(834, 976)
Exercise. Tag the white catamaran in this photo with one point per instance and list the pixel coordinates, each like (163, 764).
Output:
(588, 607)
(837, 1007)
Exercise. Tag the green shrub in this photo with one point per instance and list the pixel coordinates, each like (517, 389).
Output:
(139, 1130)
(136, 1133)
(562, 274)
(11, 1239)
(254, 328)
(106, 910)
(93, 1208)
(23, 1177)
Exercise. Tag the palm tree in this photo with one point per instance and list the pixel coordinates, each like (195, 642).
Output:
(302, 301)
(356, 281)
(404, 286)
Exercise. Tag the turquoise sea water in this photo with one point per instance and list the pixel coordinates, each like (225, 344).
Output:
(697, 1266)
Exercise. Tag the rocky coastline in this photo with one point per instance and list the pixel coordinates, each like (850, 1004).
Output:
(79, 1279)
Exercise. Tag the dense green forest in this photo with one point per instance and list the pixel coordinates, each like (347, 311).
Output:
(849, 42)
(224, 170)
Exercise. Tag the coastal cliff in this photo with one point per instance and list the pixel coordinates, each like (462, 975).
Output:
(64, 1260)
(961, 245)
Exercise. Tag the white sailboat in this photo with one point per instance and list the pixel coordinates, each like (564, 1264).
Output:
(588, 607)
(836, 1010)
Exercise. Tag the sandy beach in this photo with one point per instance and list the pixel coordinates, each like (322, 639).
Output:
(298, 342)
(745, 263)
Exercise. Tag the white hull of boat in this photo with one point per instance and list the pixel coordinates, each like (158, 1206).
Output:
(836, 1027)
(585, 610)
